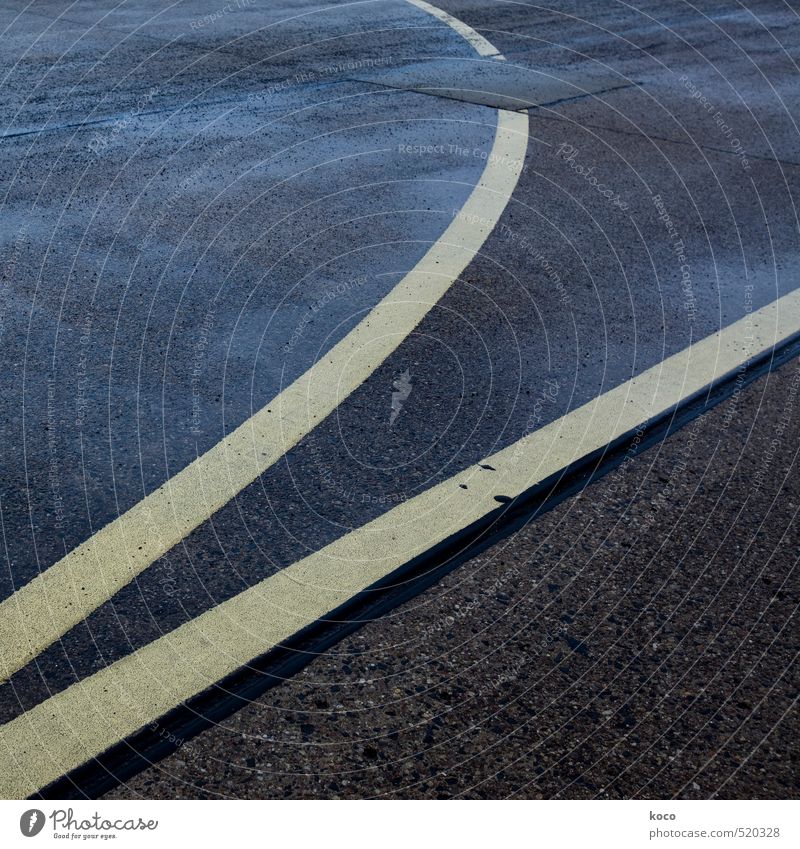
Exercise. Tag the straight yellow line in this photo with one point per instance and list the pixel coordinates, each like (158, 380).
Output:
(79, 723)
(42, 611)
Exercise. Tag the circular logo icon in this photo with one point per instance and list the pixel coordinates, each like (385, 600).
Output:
(31, 822)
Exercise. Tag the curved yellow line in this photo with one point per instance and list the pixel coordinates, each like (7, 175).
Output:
(43, 610)
(82, 721)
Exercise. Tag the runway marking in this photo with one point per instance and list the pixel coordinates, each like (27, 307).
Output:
(43, 610)
(82, 721)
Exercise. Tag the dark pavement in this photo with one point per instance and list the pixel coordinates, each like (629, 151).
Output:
(199, 203)
(638, 641)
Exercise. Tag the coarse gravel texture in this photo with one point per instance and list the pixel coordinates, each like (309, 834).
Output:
(638, 641)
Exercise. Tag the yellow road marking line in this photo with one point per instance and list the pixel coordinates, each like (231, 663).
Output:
(479, 43)
(82, 721)
(63, 595)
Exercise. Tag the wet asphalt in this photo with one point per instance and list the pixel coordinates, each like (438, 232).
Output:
(200, 203)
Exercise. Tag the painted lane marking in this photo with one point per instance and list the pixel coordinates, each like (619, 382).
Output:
(82, 721)
(478, 42)
(43, 610)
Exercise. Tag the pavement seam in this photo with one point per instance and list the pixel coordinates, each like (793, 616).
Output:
(642, 134)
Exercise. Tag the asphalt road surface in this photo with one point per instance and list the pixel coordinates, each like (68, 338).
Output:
(638, 641)
(304, 305)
